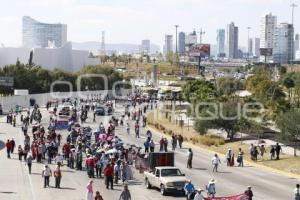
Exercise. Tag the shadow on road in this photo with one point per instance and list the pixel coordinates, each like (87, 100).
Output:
(199, 168)
(67, 188)
(7, 192)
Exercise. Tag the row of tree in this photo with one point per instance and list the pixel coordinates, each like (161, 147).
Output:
(217, 106)
(38, 80)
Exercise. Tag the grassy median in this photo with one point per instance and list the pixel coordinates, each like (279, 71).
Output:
(158, 121)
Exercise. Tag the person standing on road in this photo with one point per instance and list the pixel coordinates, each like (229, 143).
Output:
(278, 149)
(190, 159)
(211, 188)
(125, 195)
(199, 195)
(13, 144)
(28, 162)
(108, 174)
(20, 152)
(127, 128)
(215, 162)
(249, 193)
(180, 141)
(98, 196)
(89, 191)
(240, 158)
(189, 189)
(46, 175)
(152, 145)
(8, 148)
(262, 151)
(297, 192)
(57, 175)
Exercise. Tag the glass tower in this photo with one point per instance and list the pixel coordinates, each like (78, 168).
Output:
(37, 34)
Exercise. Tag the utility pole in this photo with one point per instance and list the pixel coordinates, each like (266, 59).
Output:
(201, 34)
(293, 5)
(176, 28)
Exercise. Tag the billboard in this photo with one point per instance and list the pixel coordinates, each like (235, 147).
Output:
(266, 51)
(7, 81)
(200, 50)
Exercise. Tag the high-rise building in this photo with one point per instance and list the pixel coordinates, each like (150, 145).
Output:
(267, 31)
(168, 47)
(37, 34)
(297, 42)
(191, 39)
(250, 47)
(181, 43)
(283, 51)
(220, 42)
(232, 45)
(256, 47)
(145, 47)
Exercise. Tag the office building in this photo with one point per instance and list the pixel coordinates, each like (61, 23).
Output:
(37, 34)
(181, 43)
(232, 43)
(250, 47)
(267, 32)
(145, 47)
(220, 43)
(296, 42)
(191, 39)
(283, 49)
(256, 47)
(168, 47)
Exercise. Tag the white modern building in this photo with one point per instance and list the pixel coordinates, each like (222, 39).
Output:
(220, 42)
(283, 49)
(38, 34)
(64, 57)
(267, 31)
(232, 42)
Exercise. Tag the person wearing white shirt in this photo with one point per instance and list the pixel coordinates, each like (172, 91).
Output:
(297, 192)
(59, 160)
(46, 175)
(199, 195)
(215, 162)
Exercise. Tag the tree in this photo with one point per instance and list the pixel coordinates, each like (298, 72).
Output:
(228, 85)
(288, 123)
(202, 90)
(289, 83)
(227, 118)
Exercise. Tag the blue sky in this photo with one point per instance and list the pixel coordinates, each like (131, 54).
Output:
(130, 21)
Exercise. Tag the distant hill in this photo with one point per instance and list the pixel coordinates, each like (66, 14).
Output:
(122, 47)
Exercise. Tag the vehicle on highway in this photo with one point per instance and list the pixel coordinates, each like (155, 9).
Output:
(168, 179)
(100, 110)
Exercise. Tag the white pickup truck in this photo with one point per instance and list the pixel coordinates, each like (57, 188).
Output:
(167, 179)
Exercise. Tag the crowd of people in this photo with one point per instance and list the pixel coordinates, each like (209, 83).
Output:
(102, 154)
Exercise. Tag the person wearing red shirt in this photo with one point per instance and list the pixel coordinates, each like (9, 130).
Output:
(90, 163)
(66, 150)
(108, 174)
(8, 148)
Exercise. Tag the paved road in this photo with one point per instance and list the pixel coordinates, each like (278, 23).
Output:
(15, 183)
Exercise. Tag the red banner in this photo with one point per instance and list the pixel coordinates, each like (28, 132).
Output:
(236, 197)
